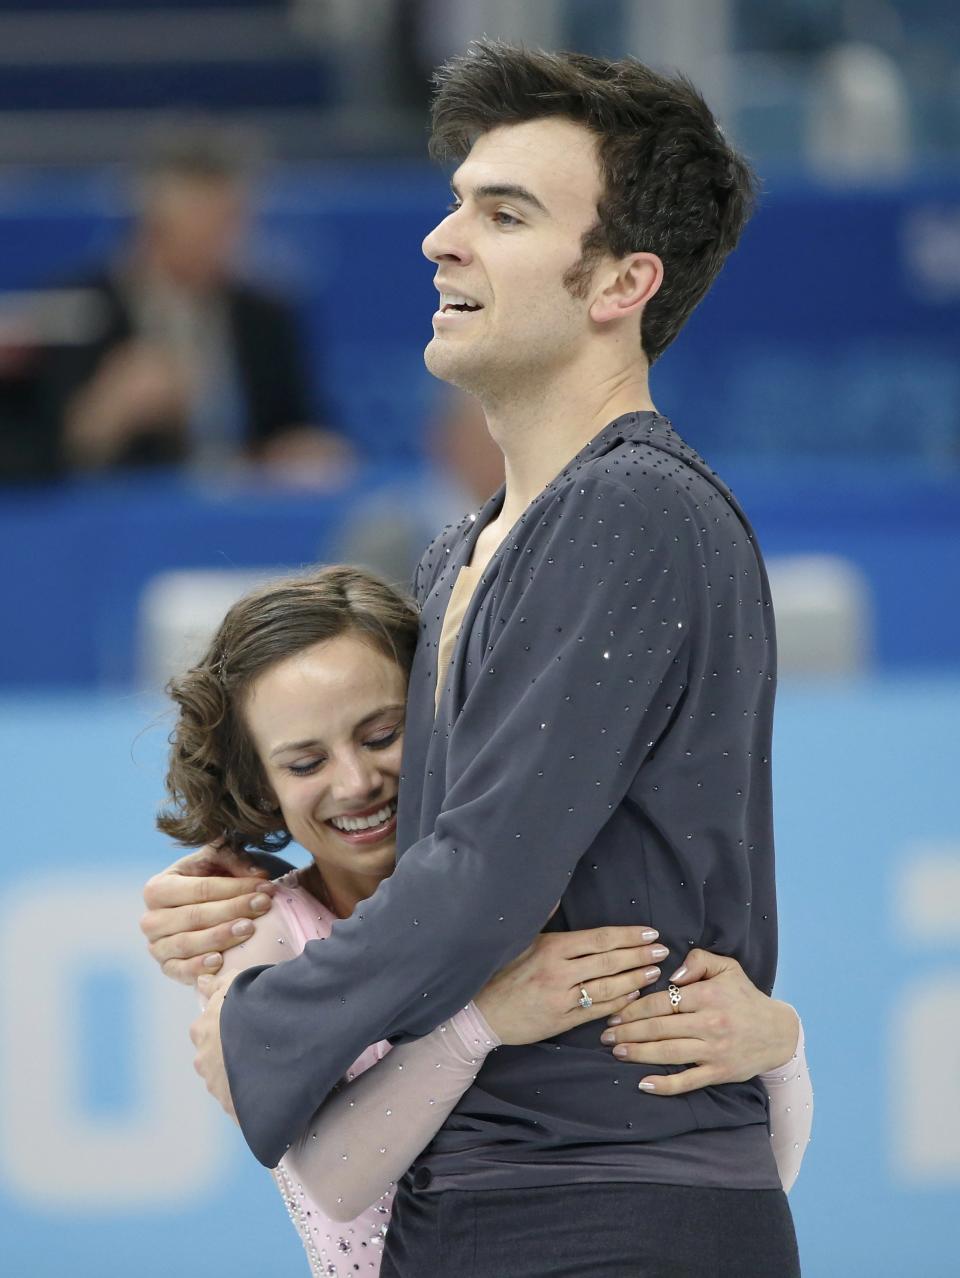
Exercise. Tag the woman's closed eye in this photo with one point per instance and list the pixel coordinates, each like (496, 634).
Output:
(381, 740)
(306, 768)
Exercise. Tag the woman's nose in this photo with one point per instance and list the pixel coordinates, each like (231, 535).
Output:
(357, 778)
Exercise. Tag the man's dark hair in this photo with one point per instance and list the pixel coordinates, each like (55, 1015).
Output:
(672, 185)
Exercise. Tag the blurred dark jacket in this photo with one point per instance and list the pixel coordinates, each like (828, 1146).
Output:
(266, 350)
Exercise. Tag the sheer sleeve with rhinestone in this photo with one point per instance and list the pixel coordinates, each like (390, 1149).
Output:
(370, 1130)
(790, 1093)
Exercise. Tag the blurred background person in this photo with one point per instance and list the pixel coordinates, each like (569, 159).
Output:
(183, 361)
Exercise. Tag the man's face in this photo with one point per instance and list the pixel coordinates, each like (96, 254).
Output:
(523, 198)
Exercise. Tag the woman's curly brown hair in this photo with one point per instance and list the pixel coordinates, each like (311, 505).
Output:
(216, 785)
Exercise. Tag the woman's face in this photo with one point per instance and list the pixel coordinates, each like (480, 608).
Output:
(327, 725)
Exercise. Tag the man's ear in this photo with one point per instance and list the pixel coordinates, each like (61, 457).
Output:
(625, 287)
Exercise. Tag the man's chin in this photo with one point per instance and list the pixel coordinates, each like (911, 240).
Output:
(448, 364)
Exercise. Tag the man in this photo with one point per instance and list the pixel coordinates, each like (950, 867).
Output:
(589, 716)
(176, 358)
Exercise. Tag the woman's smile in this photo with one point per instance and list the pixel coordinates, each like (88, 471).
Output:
(372, 825)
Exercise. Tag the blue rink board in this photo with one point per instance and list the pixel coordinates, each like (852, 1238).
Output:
(866, 786)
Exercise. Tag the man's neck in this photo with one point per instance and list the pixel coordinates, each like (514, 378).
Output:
(543, 431)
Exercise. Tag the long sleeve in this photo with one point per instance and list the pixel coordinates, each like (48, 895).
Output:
(577, 686)
(790, 1093)
(373, 1125)
(370, 1130)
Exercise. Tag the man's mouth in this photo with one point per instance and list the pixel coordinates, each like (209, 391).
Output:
(366, 822)
(457, 304)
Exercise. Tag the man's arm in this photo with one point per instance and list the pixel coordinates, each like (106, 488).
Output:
(586, 666)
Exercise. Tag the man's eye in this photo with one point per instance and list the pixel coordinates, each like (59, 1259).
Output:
(506, 219)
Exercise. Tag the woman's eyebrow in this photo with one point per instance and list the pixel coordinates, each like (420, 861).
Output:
(314, 741)
(292, 745)
(390, 709)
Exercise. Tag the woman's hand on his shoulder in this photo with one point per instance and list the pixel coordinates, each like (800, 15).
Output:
(200, 906)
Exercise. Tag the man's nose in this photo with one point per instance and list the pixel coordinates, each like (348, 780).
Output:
(447, 241)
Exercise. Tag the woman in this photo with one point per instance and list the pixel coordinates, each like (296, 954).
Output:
(291, 726)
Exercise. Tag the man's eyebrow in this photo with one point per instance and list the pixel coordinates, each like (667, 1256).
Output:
(505, 191)
(313, 741)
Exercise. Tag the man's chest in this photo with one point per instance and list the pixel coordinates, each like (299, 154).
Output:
(457, 632)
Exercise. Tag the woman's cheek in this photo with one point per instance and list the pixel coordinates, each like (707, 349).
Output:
(294, 802)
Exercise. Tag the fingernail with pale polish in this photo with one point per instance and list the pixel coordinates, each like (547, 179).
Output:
(650, 935)
(679, 973)
(213, 960)
(633, 996)
(243, 927)
(608, 1036)
(651, 973)
(647, 1087)
(620, 1050)
(259, 902)
(615, 1020)
(659, 952)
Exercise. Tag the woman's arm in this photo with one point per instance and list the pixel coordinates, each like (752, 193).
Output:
(790, 1094)
(369, 1131)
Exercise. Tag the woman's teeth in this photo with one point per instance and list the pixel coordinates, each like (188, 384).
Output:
(365, 822)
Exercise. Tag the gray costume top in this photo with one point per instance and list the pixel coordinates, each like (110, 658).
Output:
(602, 739)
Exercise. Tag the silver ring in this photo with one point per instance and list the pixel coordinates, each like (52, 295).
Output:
(584, 1000)
(675, 997)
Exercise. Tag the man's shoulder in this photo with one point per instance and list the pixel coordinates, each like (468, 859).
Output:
(661, 491)
(641, 477)
(665, 477)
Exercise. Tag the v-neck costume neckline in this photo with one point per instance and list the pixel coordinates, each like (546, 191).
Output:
(470, 576)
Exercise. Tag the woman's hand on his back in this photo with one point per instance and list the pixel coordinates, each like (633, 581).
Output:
(724, 1027)
(537, 995)
(200, 906)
